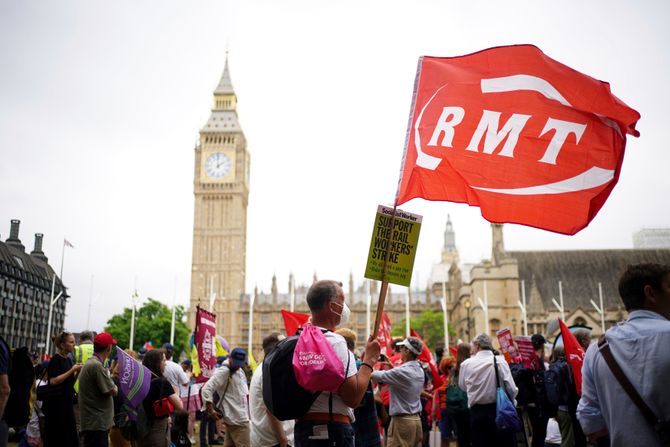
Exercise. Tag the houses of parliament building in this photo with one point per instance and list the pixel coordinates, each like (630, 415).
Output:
(505, 281)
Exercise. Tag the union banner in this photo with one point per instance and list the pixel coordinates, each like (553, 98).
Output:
(204, 340)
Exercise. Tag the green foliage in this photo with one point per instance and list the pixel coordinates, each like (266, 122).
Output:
(429, 324)
(152, 323)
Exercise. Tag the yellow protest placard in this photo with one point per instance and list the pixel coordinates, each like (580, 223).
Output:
(395, 241)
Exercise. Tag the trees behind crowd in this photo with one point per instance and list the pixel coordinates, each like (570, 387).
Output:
(152, 323)
(430, 324)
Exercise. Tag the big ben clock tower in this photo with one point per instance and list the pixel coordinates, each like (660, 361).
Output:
(221, 189)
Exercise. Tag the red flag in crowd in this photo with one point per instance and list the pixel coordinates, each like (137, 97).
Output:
(516, 133)
(453, 350)
(574, 354)
(293, 321)
(384, 335)
(395, 359)
(427, 356)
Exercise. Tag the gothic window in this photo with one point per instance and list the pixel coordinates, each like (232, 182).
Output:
(494, 326)
(360, 335)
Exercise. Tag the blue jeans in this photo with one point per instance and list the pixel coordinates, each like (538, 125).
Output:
(339, 434)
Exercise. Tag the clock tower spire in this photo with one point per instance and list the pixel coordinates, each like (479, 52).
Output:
(221, 190)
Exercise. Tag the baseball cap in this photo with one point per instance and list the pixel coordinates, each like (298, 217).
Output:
(168, 347)
(238, 357)
(413, 344)
(538, 340)
(104, 339)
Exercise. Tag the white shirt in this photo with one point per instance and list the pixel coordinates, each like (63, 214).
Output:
(477, 377)
(262, 434)
(232, 402)
(175, 374)
(553, 432)
(320, 405)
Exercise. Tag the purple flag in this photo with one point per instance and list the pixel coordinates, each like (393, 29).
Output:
(134, 379)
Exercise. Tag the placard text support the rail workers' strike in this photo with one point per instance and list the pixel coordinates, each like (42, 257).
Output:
(396, 245)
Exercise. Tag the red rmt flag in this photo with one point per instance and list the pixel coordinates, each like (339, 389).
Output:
(574, 354)
(525, 138)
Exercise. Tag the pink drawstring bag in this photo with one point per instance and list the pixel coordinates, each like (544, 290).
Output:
(315, 364)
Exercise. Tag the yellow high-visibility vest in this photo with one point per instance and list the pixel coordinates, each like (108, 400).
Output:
(82, 353)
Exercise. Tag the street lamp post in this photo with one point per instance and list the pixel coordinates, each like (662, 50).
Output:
(52, 301)
(485, 308)
(445, 316)
(467, 305)
(135, 299)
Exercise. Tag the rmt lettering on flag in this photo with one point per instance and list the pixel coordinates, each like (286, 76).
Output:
(524, 137)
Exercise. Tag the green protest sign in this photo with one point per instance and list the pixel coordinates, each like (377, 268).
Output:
(397, 244)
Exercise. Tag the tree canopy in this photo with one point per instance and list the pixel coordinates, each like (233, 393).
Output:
(429, 324)
(152, 323)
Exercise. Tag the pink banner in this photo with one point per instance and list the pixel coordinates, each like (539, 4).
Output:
(527, 352)
(205, 331)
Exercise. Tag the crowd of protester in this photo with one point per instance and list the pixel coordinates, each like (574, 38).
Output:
(385, 398)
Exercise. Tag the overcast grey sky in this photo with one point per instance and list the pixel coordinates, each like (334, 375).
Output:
(101, 104)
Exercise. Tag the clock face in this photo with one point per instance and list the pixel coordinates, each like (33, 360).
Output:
(217, 165)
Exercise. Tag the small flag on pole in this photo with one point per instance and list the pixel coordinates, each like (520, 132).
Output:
(293, 321)
(67, 243)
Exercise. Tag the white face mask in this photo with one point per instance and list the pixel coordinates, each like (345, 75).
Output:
(344, 316)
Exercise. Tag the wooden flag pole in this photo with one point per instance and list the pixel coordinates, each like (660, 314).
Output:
(385, 284)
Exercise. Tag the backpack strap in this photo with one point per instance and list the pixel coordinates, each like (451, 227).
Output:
(227, 383)
(495, 366)
(648, 413)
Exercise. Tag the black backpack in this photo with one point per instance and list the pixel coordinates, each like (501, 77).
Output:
(545, 383)
(556, 383)
(282, 394)
(523, 379)
(132, 430)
